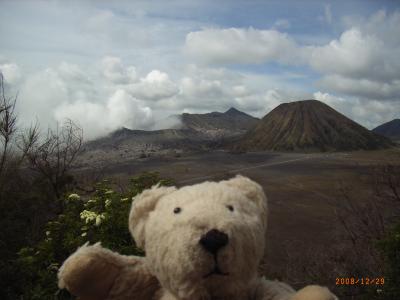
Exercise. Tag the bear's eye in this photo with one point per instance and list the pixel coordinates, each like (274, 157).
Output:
(230, 207)
(177, 210)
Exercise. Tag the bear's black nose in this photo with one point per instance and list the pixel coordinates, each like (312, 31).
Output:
(213, 240)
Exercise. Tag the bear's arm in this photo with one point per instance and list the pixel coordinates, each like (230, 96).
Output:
(275, 290)
(94, 272)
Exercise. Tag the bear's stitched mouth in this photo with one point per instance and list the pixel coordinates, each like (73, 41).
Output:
(216, 270)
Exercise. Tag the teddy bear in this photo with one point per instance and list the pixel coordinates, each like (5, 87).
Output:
(202, 242)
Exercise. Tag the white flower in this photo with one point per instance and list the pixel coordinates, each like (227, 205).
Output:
(88, 216)
(84, 234)
(73, 197)
(99, 219)
(107, 203)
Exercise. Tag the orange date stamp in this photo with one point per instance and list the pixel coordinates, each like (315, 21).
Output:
(360, 280)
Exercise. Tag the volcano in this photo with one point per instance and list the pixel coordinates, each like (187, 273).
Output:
(308, 125)
(389, 129)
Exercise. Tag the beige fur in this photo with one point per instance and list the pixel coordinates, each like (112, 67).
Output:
(176, 264)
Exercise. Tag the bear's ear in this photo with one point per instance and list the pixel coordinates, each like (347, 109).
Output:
(252, 191)
(142, 205)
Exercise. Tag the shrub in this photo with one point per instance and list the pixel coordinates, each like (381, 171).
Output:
(390, 248)
(101, 217)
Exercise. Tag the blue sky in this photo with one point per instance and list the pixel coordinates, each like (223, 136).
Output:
(108, 64)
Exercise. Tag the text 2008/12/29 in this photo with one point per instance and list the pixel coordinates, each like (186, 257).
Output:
(360, 281)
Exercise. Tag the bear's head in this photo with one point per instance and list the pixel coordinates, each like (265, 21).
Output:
(202, 240)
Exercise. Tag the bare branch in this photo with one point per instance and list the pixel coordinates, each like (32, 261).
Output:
(8, 122)
(55, 156)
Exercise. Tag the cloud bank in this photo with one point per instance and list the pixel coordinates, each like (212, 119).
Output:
(362, 62)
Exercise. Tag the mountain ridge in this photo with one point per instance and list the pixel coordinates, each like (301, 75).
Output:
(217, 124)
(196, 132)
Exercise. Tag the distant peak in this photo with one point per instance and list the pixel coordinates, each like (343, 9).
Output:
(232, 110)
(121, 131)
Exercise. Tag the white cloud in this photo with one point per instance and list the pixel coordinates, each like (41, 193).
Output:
(369, 113)
(352, 55)
(114, 71)
(97, 119)
(358, 53)
(259, 104)
(112, 30)
(106, 28)
(42, 92)
(204, 90)
(241, 46)
(240, 91)
(364, 61)
(201, 89)
(381, 24)
(65, 91)
(99, 106)
(11, 72)
(217, 89)
(155, 86)
(336, 102)
(72, 73)
(365, 88)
